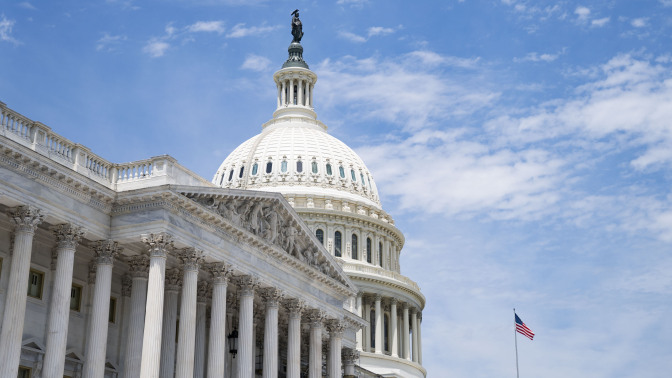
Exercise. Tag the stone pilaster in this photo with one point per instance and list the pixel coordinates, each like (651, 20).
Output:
(202, 298)
(246, 287)
(26, 219)
(315, 318)
(294, 307)
(139, 271)
(172, 288)
(192, 260)
(217, 351)
(272, 297)
(336, 329)
(94, 366)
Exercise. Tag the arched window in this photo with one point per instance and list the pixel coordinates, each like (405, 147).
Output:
(329, 169)
(231, 175)
(352, 174)
(320, 235)
(337, 244)
(355, 247)
(240, 174)
(314, 166)
(341, 171)
(299, 166)
(368, 250)
(269, 167)
(362, 177)
(255, 169)
(283, 166)
(380, 254)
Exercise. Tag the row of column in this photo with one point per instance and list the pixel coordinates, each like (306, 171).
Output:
(404, 338)
(295, 92)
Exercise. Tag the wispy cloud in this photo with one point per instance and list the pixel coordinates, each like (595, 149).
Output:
(600, 22)
(639, 22)
(256, 63)
(582, 13)
(109, 42)
(352, 37)
(537, 57)
(240, 30)
(6, 26)
(156, 48)
(26, 5)
(379, 30)
(371, 32)
(207, 26)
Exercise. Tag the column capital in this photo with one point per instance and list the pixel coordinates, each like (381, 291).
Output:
(138, 266)
(271, 296)
(315, 317)
(413, 310)
(173, 279)
(393, 301)
(349, 356)
(419, 315)
(126, 284)
(378, 297)
(26, 218)
(336, 327)
(106, 251)
(294, 306)
(220, 272)
(192, 258)
(159, 244)
(202, 292)
(67, 235)
(405, 306)
(247, 284)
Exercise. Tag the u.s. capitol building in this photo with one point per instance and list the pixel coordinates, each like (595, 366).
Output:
(285, 265)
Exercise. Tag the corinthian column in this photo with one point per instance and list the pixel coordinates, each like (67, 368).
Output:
(294, 307)
(379, 325)
(336, 329)
(349, 356)
(217, 341)
(192, 260)
(201, 319)
(315, 318)
(272, 297)
(139, 271)
(26, 220)
(173, 285)
(158, 245)
(94, 367)
(414, 325)
(246, 286)
(393, 327)
(406, 335)
(67, 238)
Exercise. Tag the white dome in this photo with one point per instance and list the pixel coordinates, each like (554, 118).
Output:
(294, 155)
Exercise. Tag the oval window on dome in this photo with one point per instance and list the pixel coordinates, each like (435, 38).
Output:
(314, 166)
(329, 169)
(231, 175)
(352, 174)
(269, 167)
(255, 169)
(283, 166)
(299, 166)
(242, 170)
(341, 171)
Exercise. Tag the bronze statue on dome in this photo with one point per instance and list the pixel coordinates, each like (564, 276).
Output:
(297, 27)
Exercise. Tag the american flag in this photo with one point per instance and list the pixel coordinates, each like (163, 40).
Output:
(522, 328)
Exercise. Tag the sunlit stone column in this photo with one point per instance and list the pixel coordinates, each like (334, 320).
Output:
(139, 271)
(246, 286)
(367, 329)
(26, 220)
(192, 260)
(315, 318)
(359, 335)
(284, 93)
(336, 329)
(122, 335)
(419, 321)
(294, 307)
(394, 328)
(307, 100)
(279, 94)
(350, 356)
(158, 245)
(379, 325)
(96, 350)
(217, 352)
(406, 334)
(300, 92)
(271, 296)
(173, 285)
(312, 86)
(414, 327)
(201, 320)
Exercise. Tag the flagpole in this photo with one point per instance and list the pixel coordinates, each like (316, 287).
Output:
(515, 337)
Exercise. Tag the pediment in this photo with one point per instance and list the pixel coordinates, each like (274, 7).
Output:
(33, 344)
(73, 356)
(269, 219)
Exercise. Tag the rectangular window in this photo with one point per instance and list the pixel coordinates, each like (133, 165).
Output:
(35, 283)
(24, 372)
(75, 297)
(113, 310)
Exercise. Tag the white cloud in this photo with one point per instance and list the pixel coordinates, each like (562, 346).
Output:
(379, 30)
(352, 37)
(639, 22)
(207, 26)
(240, 31)
(156, 48)
(536, 57)
(256, 63)
(109, 42)
(600, 22)
(431, 58)
(6, 26)
(582, 12)
(26, 5)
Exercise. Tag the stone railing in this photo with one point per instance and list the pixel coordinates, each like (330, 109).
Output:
(41, 139)
(378, 271)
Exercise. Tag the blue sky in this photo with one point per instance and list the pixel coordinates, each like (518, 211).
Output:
(523, 147)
